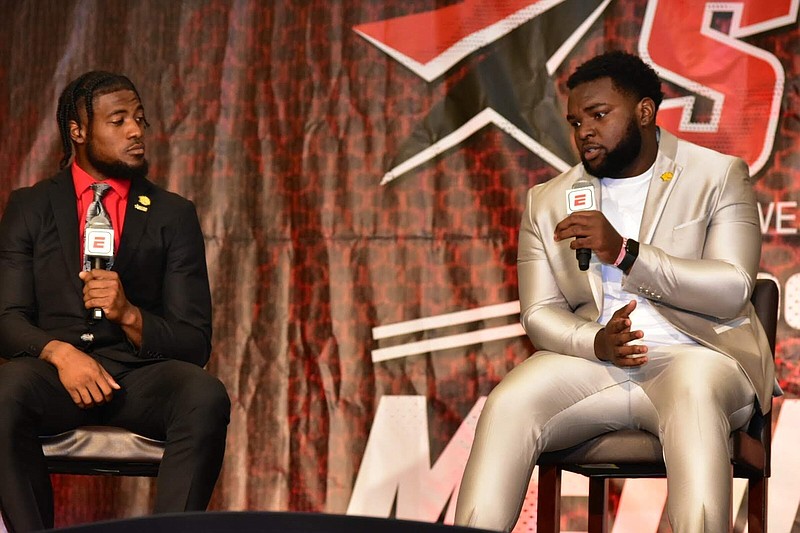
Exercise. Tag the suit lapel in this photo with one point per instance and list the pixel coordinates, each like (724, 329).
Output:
(665, 174)
(136, 215)
(64, 204)
(593, 277)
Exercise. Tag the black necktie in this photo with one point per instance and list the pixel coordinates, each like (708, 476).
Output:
(97, 215)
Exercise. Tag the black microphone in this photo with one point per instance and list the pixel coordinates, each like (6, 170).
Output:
(581, 198)
(99, 250)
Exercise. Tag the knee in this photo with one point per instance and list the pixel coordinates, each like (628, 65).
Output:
(204, 401)
(514, 397)
(503, 401)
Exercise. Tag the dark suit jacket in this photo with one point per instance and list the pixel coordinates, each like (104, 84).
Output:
(160, 260)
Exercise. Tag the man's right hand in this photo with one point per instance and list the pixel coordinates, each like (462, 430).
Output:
(86, 381)
(612, 342)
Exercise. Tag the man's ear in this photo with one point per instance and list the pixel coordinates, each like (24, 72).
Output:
(646, 109)
(76, 132)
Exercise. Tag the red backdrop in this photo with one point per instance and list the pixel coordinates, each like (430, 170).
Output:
(363, 164)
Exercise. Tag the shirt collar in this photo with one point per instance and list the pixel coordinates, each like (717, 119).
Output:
(82, 181)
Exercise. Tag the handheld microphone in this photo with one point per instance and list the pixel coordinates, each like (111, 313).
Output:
(581, 198)
(98, 249)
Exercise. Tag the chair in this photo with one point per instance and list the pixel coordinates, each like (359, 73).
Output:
(102, 450)
(638, 454)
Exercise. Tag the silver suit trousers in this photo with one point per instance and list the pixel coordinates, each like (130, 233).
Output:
(691, 397)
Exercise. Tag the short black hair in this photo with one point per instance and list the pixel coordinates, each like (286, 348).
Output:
(628, 73)
(81, 92)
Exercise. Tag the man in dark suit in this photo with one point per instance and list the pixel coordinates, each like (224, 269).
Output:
(139, 366)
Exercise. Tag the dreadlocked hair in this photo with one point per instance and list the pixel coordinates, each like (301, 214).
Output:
(628, 73)
(82, 92)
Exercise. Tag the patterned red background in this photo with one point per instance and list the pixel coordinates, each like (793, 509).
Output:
(279, 121)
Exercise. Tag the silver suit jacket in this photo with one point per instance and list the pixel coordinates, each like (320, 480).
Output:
(700, 246)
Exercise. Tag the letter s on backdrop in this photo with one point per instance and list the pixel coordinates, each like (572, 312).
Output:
(744, 83)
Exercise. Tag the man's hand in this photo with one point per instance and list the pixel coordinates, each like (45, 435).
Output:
(103, 289)
(85, 380)
(611, 342)
(590, 229)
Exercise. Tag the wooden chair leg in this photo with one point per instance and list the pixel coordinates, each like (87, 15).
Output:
(548, 511)
(757, 505)
(598, 503)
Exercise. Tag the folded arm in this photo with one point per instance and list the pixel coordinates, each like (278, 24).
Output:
(19, 334)
(547, 317)
(720, 281)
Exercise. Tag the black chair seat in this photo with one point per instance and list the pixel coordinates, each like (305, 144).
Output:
(102, 450)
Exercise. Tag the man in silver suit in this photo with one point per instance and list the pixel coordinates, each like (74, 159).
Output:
(657, 333)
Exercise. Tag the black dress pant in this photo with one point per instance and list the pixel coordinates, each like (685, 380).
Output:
(169, 400)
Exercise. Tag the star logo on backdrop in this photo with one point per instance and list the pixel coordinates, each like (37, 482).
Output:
(513, 46)
(504, 54)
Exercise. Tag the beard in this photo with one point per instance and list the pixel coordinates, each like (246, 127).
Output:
(620, 157)
(116, 169)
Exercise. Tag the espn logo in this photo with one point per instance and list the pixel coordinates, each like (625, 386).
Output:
(99, 242)
(580, 199)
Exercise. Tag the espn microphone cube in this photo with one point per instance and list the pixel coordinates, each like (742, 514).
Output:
(99, 242)
(580, 198)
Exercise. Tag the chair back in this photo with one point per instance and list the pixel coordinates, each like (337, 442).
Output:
(766, 299)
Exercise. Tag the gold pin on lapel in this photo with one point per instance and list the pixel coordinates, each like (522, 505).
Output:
(144, 201)
(666, 176)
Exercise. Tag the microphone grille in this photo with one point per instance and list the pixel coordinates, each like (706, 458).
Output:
(582, 182)
(99, 221)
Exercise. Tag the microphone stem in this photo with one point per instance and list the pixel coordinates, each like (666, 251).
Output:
(96, 313)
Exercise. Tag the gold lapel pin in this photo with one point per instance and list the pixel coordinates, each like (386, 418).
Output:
(666, 176)
(142, 204)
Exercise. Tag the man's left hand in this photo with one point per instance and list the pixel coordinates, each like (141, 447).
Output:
(103, 289)
(591, 229)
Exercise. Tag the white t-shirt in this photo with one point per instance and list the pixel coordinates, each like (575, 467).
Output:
(622, 203)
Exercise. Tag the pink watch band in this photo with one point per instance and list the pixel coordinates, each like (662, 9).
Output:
(621, 255)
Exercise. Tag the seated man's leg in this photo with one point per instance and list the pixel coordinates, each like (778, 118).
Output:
(701, 396)
(189, 408)
(33, 403)
(548, 402)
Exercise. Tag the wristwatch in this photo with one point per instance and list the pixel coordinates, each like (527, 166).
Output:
(631, 253)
